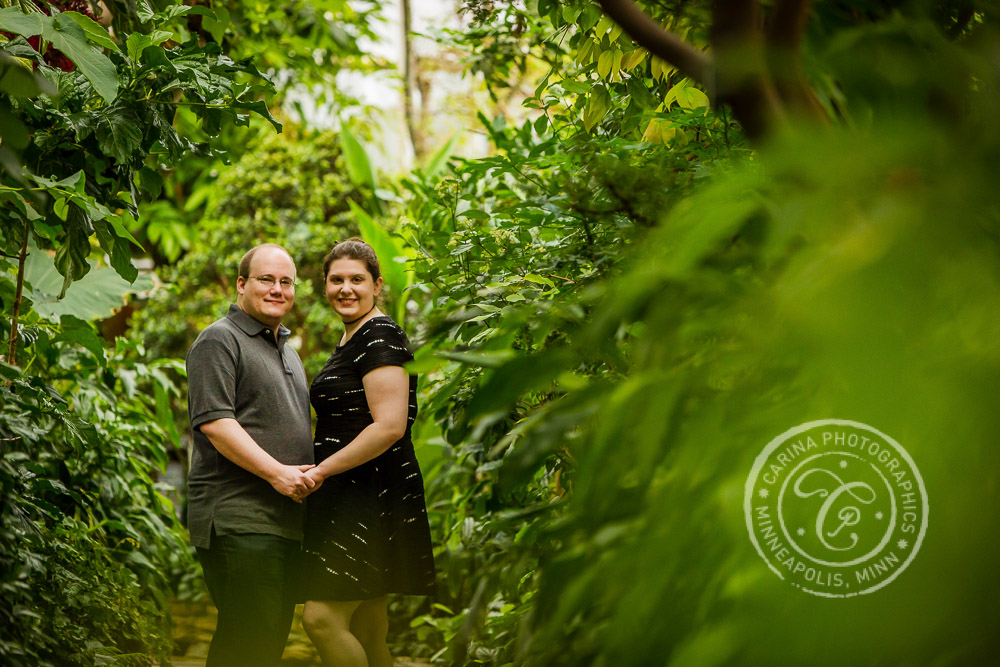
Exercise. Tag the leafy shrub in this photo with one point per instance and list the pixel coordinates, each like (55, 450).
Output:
(85, 528)
(293, 193)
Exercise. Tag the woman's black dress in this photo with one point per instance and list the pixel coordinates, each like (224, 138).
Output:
(366, 528)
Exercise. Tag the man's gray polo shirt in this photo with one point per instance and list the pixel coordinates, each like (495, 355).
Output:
(236, 370)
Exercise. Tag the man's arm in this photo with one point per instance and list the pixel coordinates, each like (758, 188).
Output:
(233, 442)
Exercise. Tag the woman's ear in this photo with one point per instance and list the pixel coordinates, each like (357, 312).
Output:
(378, 286)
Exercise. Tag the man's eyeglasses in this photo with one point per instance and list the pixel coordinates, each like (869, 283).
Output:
(268, 281)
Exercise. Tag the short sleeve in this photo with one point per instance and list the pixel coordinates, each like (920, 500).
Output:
(211, 372)
(385, 345)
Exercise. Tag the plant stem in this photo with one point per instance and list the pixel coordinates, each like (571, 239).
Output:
(12, 353)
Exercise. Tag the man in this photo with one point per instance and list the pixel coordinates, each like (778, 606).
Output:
(249, 406)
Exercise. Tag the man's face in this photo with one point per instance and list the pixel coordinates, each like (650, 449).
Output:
(267, 303)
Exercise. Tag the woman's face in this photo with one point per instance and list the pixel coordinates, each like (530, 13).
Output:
(350, 288)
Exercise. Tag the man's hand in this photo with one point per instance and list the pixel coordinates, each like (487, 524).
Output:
(233, 442)
(293, 481)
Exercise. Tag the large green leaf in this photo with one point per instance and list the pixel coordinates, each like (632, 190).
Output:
(117, 247)
(137, 42)
(215, 23)
(28, 25)
(119, 135)
(391, 255)
(97, 33)
(70, 38)
(359, 168)
(260, 107)
(80, 331)
(440, 158)
(94, 296)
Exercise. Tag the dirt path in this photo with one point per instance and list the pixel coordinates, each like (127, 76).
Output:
(194, 623)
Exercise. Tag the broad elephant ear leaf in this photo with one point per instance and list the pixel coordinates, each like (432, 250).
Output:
(96, 295)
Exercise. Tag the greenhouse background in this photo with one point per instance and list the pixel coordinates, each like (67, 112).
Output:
(636, 246)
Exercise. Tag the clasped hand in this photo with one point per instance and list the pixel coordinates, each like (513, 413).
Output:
(297, 482)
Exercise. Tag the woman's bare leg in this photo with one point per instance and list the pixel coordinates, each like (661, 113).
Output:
(328, 624)
(370, 624)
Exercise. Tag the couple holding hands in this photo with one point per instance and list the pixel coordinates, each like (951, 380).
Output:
(363, 531)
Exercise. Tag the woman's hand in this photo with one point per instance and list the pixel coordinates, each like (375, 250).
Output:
(316, 477)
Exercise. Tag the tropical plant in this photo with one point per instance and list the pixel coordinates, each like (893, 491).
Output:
(510, 250)
(600, 461)
(780, 289)
(294, 193)
(87, 534)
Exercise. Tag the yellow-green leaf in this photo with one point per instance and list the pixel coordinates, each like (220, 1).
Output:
(61, 208)
(597, 106)
(634, 58)
(616, 61)
(603, 25)
(689, 97)
(604, 64)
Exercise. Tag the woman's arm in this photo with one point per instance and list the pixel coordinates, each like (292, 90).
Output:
(387, 389)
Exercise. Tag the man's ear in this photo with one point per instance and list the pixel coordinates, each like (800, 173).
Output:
(241, 285)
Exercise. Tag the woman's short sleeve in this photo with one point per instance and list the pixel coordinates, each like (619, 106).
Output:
(384, 344)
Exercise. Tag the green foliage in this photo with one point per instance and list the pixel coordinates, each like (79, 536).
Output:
(88, 540)
(616, 310)
(816, 280)
(296, 194)
(303, 46)
(311, 40)
(86, 532)
(509, 250)
(87, 145)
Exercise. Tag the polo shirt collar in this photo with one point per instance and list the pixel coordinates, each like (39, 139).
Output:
(252, 327)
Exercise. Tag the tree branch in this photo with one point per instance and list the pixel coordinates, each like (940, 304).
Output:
(742, 77)
(662, 43)
(786, 29)
(787, 24)
(408, 79)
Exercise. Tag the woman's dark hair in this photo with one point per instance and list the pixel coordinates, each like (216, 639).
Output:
(353, 248)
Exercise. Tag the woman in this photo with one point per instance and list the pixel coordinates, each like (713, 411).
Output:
(366, 529)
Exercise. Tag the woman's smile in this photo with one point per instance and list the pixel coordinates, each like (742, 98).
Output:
(350, 288)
